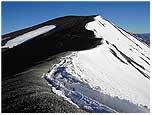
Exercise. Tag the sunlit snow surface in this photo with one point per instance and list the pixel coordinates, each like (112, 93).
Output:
(27, 36)
(113, 77)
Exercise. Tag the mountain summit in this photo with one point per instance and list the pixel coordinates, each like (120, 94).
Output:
(104, 69)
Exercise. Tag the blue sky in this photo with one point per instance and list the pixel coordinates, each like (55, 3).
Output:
(132, 16)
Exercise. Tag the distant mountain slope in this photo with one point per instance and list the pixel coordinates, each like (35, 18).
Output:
(145, 37)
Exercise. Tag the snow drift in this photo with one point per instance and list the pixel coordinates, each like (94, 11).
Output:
(113, 77)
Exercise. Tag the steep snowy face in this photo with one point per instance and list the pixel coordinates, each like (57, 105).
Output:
(124, 47)
(117, 72)
(120, 67)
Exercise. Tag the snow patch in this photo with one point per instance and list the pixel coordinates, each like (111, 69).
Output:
(27, 36)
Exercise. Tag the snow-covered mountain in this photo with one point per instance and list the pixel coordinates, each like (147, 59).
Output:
(115, 73)
(106, 69)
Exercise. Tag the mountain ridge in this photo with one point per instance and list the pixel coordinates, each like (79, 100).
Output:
(104, 61)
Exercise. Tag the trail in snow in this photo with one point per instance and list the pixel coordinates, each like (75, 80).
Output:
(78, 92)
(65, 85)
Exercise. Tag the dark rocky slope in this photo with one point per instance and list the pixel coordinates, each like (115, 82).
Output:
(28, 92)
(69, 35)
